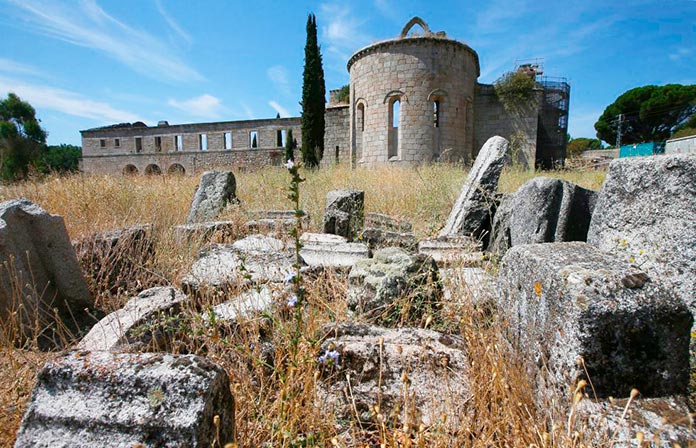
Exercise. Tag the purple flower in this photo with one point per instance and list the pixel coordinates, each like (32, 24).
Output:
(289, 277)
(330, 357)
(292, 301)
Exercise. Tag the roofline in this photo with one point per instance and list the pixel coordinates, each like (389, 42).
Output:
(410, 39)
(182, 125)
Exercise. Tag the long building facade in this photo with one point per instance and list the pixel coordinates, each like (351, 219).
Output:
(414, 99)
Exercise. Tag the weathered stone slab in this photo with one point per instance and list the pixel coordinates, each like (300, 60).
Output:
(85, 399)
(394, 288)
(243, 306)
(281, 221)
(40, 273)
(418, 375)
(111, 260)
(215, 191)
(115, 331)
(543, 210)
(663, 422)
(646, 214)
(453, 249)
(386, 222)
(473, 211)
(204, 231)
(376, 238)
(345, 213)
(332, 251)
(565, 301)
(256, 258)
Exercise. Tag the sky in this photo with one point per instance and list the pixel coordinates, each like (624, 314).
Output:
(89, 63)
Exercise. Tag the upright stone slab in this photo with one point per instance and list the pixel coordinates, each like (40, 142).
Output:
(543, 210)
(39, 272)
(472, 213)
(215, 191)
(566, 301)
(345, 213)
(117, 331)
(90, 399)
(646, 214)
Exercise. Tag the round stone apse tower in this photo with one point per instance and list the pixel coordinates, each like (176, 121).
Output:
(411, 99)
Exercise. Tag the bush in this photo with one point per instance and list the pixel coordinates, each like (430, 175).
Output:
(514, 89)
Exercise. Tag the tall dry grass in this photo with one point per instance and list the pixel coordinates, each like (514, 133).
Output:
(274, 386)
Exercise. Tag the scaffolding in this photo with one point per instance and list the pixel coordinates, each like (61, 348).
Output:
(552, 129)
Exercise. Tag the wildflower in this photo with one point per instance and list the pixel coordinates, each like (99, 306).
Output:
(292, 301)
(289, 277)
(330, 357)
(290, 165)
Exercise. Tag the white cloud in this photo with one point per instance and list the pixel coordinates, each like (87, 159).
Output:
(86, 24)
(206, 106)
(681, 53)
(65, 101)
(173, 24)
(17, 68)
(280, 109)
(279, 76)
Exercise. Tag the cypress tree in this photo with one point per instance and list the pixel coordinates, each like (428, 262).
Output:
(313, 98)
(290, 145)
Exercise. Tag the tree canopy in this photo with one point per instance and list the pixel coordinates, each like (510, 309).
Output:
(21, 137)
(313, 98)
(648, 113)
(577, 146)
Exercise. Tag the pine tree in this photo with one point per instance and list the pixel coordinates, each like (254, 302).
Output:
(290, 145)
(313, 99)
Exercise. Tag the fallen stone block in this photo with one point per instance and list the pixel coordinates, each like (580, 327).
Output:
(376, 238)
(386, 222)
(215, 190)
(39, 273)
(543, 210)
(646, 214)
(278, 221)
(416, 376)
(345, 213)
(472, 213)
(394, 288)
(111, 260)
(331, 251)
(205, 231)
(256, 259)
(459, 250)
(662, 422)
(123, 329)
(569, 303)
(89, 399)
(244, 306)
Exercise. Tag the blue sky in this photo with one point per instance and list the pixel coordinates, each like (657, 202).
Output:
(89, 63)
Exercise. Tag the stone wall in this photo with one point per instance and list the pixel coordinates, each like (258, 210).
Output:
(337, 135)
(519, 126)
(416, 71)
(110, 150)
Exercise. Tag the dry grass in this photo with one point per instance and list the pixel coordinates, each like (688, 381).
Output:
(274, 388)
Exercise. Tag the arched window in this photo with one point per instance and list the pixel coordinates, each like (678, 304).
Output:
(394, 122)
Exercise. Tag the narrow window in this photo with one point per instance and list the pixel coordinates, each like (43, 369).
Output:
(337, 153)
(117, 143)
(228, 140)
(158, 144)
(393, 134)
(203, 142)
(179, 142)
(138, 144)
(279, 138)
(436, 113)
(253, 139)
(102, 143)
(396, 106)
(361, 117)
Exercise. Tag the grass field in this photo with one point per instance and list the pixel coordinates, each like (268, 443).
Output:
(278, 406)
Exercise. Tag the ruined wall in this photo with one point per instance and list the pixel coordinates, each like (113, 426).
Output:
(417, 71)
(518, 126)
(120, 148)
(337, 135)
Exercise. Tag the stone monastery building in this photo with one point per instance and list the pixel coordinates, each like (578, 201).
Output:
(414, 99)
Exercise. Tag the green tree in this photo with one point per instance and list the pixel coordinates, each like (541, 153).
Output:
(21, 137)
(648, 113)
(577, 146)
(61, 158)
(343, 94)
(290, 145)
(313, 99)
(514, 89)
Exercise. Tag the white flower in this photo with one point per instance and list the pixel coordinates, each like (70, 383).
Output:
(290, 165)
